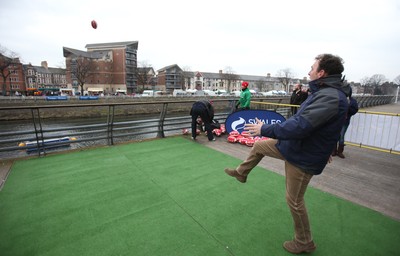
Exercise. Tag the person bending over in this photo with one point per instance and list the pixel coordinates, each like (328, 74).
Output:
(205, 111)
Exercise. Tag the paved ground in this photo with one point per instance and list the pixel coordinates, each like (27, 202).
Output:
(366, 177)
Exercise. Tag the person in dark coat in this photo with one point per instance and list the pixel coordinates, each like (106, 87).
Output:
(205, 111)
(304, 142)
(353, 109)
(298, 97)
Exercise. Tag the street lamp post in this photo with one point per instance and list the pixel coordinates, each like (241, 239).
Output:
(9, 78)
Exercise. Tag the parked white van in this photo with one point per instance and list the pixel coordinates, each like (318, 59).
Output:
(270, 93)
(120, 92)
(222, 93)
(178, 93)
(209, 93)
(148, 93)
(151, 93)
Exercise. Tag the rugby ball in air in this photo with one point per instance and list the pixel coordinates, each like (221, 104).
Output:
(94, 24)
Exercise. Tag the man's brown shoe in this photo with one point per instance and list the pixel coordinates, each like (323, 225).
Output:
(297, 248)
(234, 173)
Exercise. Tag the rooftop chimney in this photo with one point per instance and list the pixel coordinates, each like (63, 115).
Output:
(44, 64)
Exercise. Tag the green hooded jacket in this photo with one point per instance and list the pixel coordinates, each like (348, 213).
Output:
(245, 97)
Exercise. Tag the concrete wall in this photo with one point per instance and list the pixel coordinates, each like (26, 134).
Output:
(100, 108)
(152, 105)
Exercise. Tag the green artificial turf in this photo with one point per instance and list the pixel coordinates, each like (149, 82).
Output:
(170, 197)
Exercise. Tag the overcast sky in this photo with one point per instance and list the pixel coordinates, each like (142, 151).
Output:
(251, 37)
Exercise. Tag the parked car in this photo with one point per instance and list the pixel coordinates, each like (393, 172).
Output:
(148, 93)
(235, 93)
(177, 93)
(209, 93)
(253, 92)
(151, 93)
(119, 92)
(221, 92)
(224, 94)
(270, 93)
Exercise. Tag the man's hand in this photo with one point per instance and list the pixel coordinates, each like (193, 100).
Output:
(254, 129)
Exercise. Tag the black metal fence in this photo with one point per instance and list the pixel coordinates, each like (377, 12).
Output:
(37, 136)
(106, 130)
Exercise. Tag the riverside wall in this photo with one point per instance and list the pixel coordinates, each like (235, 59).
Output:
(21, 108)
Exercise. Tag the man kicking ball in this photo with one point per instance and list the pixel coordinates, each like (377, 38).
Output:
(304, 142)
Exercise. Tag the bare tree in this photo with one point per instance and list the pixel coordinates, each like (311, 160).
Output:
(261, 85)
(229, 76)
(285, 76)
(81, 70)
(366, 84)
(143, 74)
(376, 81)
(388, 88)
(397, 80)
(7, 58)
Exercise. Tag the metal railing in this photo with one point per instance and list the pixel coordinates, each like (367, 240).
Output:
(112, 128)
(368, 129)
(108, 131)
(375, 130)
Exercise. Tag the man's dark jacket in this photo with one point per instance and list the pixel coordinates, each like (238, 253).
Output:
(203, 106)
(307, 139)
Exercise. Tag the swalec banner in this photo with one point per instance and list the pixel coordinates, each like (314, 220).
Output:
(237, 120)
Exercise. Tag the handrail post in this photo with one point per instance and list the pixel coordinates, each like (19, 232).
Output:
(110, 124)
(39, 138)
(279, 102)
(232, 105)
(160, 132)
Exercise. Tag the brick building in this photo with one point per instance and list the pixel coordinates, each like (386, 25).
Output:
(43, 79)
(105, 67)
(170, 78)
(230, 82)
(12, 76)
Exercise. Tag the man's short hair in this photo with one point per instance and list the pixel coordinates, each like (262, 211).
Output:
(331, 64)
